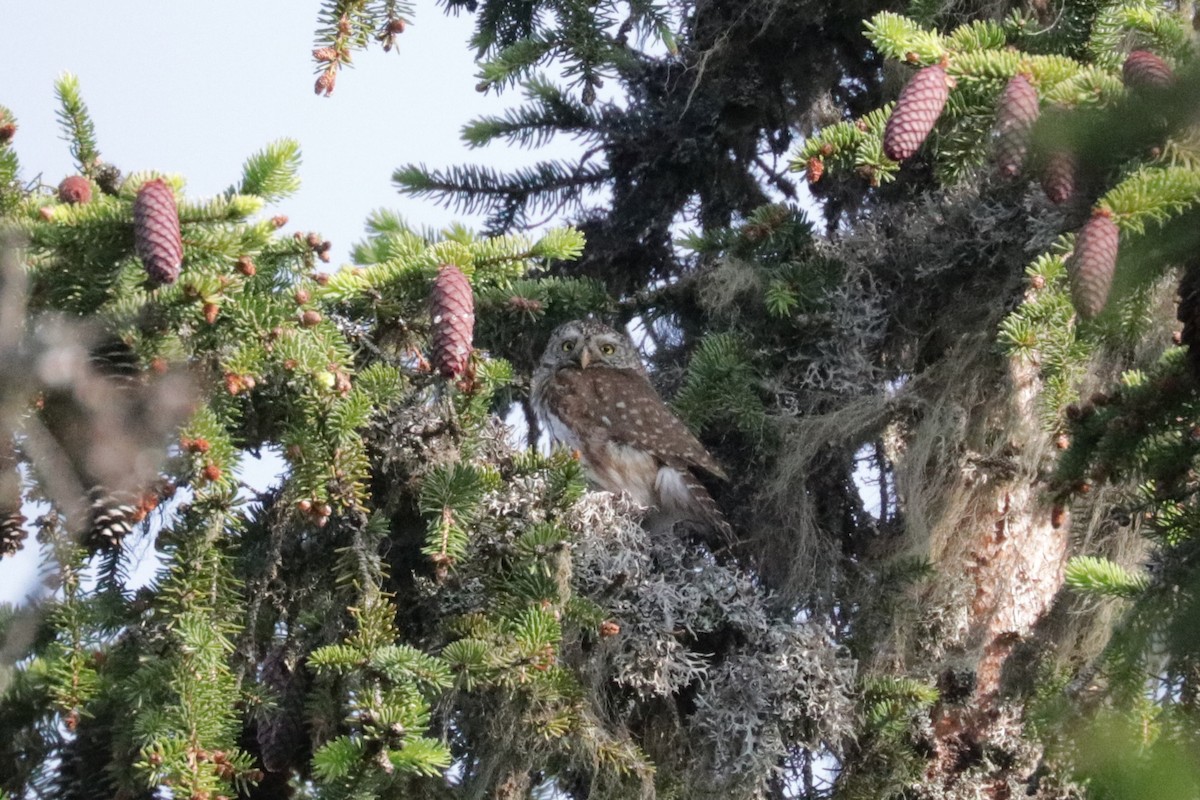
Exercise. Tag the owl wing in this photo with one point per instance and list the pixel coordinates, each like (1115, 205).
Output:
(630, 411)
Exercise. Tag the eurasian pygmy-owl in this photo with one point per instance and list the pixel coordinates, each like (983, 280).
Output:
(591, 392)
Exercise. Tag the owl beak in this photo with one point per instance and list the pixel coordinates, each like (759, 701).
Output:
(584, 358)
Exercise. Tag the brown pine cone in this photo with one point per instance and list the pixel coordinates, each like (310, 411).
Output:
(156, 231)
(113, 517)
(1091, 266)
(452, 312)
(916, 112)
(12, 531)
(12, 521)
(1016, 113)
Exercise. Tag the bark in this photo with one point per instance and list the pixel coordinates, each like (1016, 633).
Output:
(1011, 556)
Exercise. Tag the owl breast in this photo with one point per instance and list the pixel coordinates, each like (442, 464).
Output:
(626, 469)
(565, 403)
(612, 466)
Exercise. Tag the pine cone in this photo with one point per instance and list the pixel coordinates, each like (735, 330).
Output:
(1091, 266)
(156, 231)
(452, 309)
(1144, 70)
(12, 531)
(1016, 113)
(916, 112)
(1059, 176)
(113, 516)
(75, 189)
(1189, 314)
(108, 178)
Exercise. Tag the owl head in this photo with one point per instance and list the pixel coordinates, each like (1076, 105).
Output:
(585, 343)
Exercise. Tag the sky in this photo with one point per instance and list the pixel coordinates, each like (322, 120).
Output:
(196, 88)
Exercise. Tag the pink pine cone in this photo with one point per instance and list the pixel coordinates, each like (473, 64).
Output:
(1060, 176)
(1145, 70)
(1093, 263)
(916, 112)
(156, 231)
(1016, 113)
(452, 312)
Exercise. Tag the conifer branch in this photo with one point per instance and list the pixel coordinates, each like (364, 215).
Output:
(1101, 576)
(547, 114)
(472, 189)
(271, 173)
(76, 123)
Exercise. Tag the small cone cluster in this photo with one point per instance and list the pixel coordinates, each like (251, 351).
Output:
(326, 81)
(1144, 70)
(815, 169)
(388, 35)
(1016, 113)
(452, 311)
(1059, 176)
(75, 189)
(1189, 314)
(1091, 266)
(156, 231)
(916, 112)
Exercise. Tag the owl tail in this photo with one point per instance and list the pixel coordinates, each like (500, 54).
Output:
(685, 499)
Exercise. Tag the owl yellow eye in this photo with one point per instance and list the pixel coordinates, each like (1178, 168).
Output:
(568, 346)
(607, 349)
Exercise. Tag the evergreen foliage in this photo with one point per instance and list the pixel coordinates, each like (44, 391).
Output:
(10, 189)
(965, 506)
(275, 645)
(1120, 132)
(269, 347)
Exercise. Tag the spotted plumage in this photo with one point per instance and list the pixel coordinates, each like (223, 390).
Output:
(592, 394)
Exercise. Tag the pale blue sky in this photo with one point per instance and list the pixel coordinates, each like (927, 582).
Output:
(195, 88)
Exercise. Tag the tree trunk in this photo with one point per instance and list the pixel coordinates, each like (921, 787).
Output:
(1003, 554)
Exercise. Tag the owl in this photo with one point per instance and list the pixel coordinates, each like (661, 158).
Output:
(592, 395)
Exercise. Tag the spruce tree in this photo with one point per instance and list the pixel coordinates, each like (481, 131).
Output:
(957, 422)
(894, 360)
